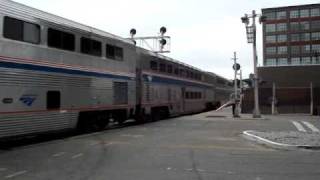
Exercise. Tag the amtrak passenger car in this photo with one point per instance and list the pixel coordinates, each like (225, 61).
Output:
(171, 88)
(58, 74)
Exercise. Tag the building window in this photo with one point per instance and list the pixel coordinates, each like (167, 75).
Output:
(315, 60)
(282, 38)
(114, 52)
(295, 37)
(315, 25)
(282, 15)
(270, 27)
(306, 60)
(305, 25)
(92, 47)
(271, 50)
(61, 40)
(305, 37)
(270, 15)
(304, 13)
(305, 49)
(316, 48)
(295, 49)
(295, 61)
(270, 39)
(21, 31)
(294, 26)
(315, 12)
(283, 61)
(315, 36)
(282, 50)
(281, 27)
(271, 62)
(294, 14)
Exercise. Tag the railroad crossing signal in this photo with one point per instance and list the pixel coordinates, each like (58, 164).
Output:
(236, 67)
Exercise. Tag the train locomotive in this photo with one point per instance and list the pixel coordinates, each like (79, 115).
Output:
(56, 74)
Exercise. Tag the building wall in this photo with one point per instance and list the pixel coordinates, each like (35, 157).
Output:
(291, 35)
(293, 89)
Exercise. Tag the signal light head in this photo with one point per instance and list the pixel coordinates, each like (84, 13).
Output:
(163, 30)
(163, 42)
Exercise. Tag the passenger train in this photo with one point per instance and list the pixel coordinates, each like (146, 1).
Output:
(56, 74)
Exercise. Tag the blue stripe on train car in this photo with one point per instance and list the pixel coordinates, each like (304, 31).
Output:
(164, 80)
(61, 70)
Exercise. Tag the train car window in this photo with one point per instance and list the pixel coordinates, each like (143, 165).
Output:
(176, 71)
(169, 69)
(182, 72)
(21, 31)
(92, 47)
(162, 67)
(110, 51)
(53, 100)
(191, 75)
(153, 65)
(118, 52)
(61, 40)
(31, 33)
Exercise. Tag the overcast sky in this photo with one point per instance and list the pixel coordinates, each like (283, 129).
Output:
(204, 33)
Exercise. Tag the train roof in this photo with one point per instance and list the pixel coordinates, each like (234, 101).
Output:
(22, 10)
(168, 59)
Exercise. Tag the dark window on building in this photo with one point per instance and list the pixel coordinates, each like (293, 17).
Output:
(21, 31)
(92, 47)
(162, 67)
(114, 52)
(61, 40)
(169, 69)
(153, 65)
(53, 100)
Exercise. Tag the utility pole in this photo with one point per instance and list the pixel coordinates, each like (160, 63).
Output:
(236, 67)
(252, 38)
(256, 112)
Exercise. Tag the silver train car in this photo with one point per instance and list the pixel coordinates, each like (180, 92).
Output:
(56, 74)
(171, 88)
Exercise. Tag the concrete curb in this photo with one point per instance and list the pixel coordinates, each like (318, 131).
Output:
(249, 135)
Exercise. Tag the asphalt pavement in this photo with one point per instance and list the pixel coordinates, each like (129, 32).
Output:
(205, 146)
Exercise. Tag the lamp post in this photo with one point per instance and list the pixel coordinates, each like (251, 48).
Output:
(251, 37)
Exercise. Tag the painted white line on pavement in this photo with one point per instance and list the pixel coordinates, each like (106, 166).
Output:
(299, 126)
(77, 156)
(312, 127)
(15, 174)
(59, 154)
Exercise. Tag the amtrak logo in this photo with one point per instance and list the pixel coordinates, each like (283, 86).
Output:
(28, 99)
